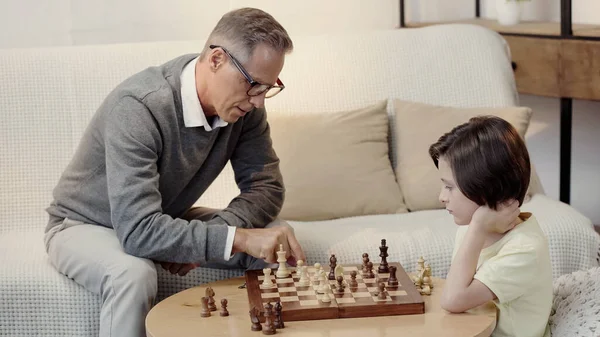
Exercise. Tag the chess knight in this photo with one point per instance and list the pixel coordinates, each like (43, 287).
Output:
(422, 279)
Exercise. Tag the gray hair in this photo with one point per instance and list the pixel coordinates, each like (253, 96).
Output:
(241, 30)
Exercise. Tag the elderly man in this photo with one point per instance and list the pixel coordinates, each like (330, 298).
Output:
(154, 146)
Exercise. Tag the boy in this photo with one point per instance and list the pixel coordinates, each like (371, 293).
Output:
(500, 254)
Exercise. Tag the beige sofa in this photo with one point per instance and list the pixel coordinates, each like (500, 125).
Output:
(347, 128)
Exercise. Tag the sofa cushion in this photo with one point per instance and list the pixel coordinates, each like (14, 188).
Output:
(419, 125)
(336, 165)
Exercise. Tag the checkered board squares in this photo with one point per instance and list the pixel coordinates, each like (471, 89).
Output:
(304, 303)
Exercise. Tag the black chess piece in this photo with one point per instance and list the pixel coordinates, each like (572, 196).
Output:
(383, 267)
(381, 294)
(365, 257)
(224, 311)
(340, 284)
(204, 309)
(254, 319)
(332, 265)
(370, 273)
(353, 283)
(392, 281)
(278, 319)
(210, 293)
(269, 324)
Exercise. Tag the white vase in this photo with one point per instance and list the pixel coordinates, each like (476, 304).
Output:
(508, 11)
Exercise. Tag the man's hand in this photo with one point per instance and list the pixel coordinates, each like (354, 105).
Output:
(263, 243)
(500, 221)
(178, 268)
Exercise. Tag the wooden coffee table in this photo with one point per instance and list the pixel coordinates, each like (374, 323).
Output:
(179, 315)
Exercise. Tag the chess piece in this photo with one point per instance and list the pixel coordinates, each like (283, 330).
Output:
(316, 275)
(392, 281)
(427, 278)
(353, 283)
(323, 283)
(426, 290)
(224, 311)
(365, 257)
(339, 270)
(299, 265)
(370, 273)
(204, 310)
(340, 284)
(254, 319)
(304, 280)
(210, 293)
(381, 295)
(267, 282)
(326, 297)
(278, 320)
(332, 265)
(420, 264)
(269, 324)
(282, 271)
(383, 267)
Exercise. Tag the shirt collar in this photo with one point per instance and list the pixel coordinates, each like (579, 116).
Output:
(193, 115)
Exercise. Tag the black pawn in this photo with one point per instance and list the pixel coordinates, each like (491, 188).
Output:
(353, 283)
(365, 257)
(278, 319)
(340, 285)
(224, 311)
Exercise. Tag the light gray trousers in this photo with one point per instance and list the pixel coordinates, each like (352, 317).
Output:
(92, 256)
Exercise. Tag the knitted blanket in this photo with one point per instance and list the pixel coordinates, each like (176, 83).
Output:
(576, 304)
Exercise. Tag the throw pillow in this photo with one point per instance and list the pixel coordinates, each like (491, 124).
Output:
(336, 165)
(419, 125)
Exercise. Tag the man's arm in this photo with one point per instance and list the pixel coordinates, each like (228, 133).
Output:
(257, 174)
(132, 144)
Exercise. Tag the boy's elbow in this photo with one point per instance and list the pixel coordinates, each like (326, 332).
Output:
(452, 304)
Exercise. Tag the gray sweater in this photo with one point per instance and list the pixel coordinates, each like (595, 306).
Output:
(138, 169)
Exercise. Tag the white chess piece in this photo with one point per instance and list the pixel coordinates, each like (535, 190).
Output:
(339, 270)
(267, 282)
(282, 271)
(323, 283)
(326, 297)
(315, 278)
(304, 280)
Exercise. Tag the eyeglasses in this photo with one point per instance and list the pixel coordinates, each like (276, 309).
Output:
(256, 88)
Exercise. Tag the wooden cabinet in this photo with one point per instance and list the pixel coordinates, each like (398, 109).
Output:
(556, 67)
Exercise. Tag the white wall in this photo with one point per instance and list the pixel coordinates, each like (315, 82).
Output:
(32, 23)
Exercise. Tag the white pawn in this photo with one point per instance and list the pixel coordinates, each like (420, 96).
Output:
(325, 298)
(323, 283)
(315, 278)
(304, 281)
(282, 271)
(267, 282)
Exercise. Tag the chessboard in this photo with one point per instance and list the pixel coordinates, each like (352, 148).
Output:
(362, 300)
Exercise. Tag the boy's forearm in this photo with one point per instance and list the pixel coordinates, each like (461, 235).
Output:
(463, 267)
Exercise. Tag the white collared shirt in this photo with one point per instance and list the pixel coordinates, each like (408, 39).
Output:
(193, 116)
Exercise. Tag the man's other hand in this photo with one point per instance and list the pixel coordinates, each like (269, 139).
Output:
(180, 269)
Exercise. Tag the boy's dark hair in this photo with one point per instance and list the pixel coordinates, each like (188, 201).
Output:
(489, 160)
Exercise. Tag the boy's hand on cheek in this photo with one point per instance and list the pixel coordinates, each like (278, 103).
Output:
(501, 220)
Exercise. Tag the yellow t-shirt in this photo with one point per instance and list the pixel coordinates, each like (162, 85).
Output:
(517, 269)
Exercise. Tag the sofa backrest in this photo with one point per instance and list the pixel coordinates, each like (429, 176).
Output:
(48, 95)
